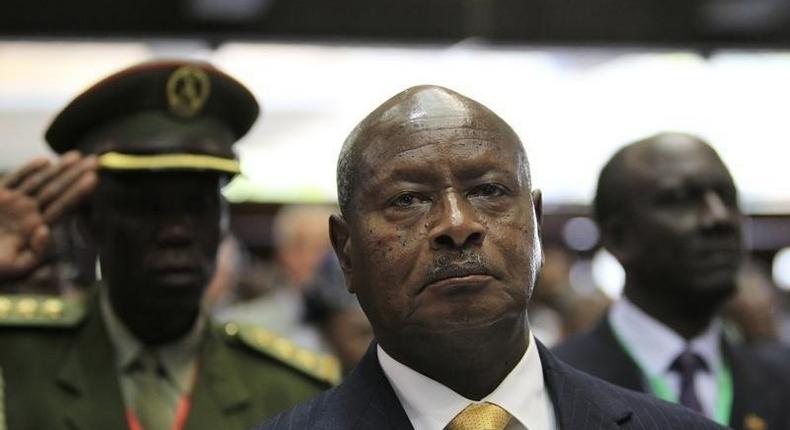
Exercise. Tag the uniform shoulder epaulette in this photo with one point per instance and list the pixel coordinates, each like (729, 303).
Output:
(23, 310)
(320, 366)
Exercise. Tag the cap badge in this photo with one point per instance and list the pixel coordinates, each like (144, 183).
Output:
(187, 90)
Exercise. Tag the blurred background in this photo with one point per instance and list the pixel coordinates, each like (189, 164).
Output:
(576, 80)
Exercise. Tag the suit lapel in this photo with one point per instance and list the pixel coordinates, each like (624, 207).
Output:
(90, 396)
(576, 404)
(371, 398)
(617, 367)
(220, 399)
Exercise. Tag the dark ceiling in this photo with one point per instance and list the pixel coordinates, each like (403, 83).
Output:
(702, 23)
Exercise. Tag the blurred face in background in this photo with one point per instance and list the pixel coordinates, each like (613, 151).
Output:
(680, 230)
(301, 236)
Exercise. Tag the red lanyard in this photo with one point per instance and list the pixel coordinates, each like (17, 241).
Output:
(181, 416)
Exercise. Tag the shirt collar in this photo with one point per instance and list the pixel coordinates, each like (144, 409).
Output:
(431, 405)
(178, 358)
(127, 347)
(654, 345)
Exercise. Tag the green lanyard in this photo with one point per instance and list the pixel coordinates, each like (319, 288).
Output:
(660, 388)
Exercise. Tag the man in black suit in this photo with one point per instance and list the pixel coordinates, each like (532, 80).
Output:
(439, 239)
(668, 211)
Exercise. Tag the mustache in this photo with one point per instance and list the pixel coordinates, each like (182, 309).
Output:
(464, 263)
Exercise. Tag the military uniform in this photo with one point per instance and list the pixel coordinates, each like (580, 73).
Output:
(63, 363)
(59, 373)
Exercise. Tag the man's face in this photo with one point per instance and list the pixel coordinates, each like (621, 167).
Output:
(681, 229)
(443, 232)
(158, 235)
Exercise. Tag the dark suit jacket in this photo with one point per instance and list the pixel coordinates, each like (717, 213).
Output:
(760, 398)
(365, 400)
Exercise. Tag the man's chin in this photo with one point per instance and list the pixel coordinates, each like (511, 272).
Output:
(709, 293)
(175, 291)
(489, 323)
(179, 280)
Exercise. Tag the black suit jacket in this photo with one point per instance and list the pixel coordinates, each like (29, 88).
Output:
(365, 400)
(760, 385)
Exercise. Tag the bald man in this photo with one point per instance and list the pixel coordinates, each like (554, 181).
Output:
(668, 211)
(438, 238)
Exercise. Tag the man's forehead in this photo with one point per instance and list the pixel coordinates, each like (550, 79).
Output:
(674, 160)
(430, 117)
(428, 106)
(423, 101)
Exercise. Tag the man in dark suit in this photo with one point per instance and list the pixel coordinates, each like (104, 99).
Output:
(439, 239)
(667, 210)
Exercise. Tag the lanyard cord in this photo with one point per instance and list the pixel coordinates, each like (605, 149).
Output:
(660, 388)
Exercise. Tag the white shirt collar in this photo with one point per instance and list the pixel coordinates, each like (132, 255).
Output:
(655, 346)
(431, 405)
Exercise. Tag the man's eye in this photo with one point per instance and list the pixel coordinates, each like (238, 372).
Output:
(405, 200)
(678, 196)
(487, 190)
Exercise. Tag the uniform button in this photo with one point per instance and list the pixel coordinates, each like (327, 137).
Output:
(283, 347)
(5, 306)
(27, 308)
(231, 329)
(52, 308)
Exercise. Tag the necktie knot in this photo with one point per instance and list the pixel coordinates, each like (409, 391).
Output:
(480, 416)
(689, 363)
(147, 362)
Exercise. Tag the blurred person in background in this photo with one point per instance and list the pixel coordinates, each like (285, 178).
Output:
(556, 310)
(667, 209)
(230, 267)
(752, 314)
(275, 299)
(337, 314)
(140, 353)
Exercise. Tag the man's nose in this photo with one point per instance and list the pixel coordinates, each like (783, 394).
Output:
(715, 212)
(457, 224)
(175, 231)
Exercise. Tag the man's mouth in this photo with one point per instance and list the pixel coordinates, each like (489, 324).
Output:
(458, 276)
(177, 274)
(461, 282)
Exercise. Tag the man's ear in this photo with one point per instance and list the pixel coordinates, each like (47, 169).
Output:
(537, 204)
(341, 242)
(84, 225)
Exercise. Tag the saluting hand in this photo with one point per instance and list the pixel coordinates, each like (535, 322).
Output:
(32, 199)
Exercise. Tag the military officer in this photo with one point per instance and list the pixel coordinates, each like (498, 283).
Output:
(139, 353)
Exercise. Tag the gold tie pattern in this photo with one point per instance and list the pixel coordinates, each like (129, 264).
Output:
(480, 416)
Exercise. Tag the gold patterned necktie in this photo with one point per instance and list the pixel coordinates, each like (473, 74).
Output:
(480, 416)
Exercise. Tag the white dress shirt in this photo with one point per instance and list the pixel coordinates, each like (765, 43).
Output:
(431, 405)
(655, 346)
